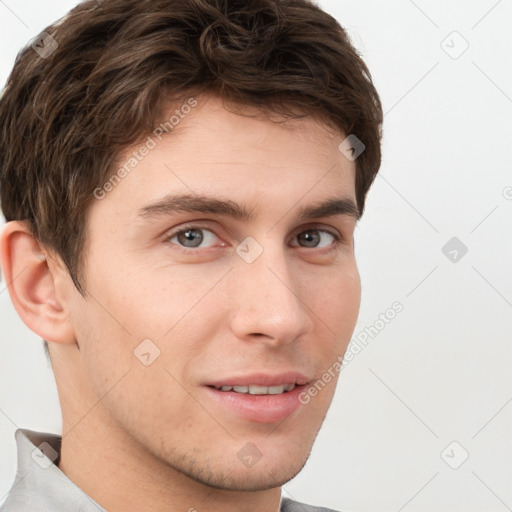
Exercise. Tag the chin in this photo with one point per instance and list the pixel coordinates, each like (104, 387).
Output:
(263, 476)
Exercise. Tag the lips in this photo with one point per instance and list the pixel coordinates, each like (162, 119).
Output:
(258, 397)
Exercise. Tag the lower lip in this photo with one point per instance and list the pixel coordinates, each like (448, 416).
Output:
(259, 408)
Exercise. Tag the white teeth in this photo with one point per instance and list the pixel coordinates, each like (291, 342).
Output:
(275, 390)
(253, 389)
(258, 390)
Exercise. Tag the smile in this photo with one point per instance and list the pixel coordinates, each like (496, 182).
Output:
(254, 389)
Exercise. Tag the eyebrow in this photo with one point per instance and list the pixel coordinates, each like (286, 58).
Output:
(205, 204)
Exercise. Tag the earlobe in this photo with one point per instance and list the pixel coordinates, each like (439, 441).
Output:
(31, 285)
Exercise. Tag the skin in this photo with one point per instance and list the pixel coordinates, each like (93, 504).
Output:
(149, 437)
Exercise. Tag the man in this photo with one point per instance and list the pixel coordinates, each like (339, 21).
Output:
(181, 180)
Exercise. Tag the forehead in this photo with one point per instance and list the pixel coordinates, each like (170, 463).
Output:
(212, 151)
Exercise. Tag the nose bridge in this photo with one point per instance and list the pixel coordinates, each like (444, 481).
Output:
(267, 300)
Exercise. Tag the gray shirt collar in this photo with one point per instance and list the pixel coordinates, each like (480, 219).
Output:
(39, 484)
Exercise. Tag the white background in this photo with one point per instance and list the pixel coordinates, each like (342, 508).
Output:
(440, 371)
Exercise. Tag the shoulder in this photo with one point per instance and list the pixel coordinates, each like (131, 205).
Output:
(288, 505)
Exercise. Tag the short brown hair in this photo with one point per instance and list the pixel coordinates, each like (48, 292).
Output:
(66, 116)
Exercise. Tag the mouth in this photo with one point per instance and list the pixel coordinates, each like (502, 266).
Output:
(258, 398)
(255, 389)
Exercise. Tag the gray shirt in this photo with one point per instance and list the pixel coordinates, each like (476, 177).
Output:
(39, 484)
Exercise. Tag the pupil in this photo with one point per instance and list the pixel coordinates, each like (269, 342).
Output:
(192, 235)
(309, 239)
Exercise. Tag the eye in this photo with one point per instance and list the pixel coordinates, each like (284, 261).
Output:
(312, 239)
(191, 237)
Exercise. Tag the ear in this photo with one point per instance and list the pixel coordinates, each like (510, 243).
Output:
(32, 284)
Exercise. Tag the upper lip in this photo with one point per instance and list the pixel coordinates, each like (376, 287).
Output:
(262, 379)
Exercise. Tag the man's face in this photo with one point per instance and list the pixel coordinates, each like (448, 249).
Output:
(260, 303)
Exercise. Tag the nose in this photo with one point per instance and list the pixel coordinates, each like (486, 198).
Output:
(268, 302)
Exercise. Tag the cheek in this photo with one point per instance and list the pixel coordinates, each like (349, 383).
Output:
(337, 299)
(337, 302)
(130, 319)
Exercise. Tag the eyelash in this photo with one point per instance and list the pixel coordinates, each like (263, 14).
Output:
(334, 234)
